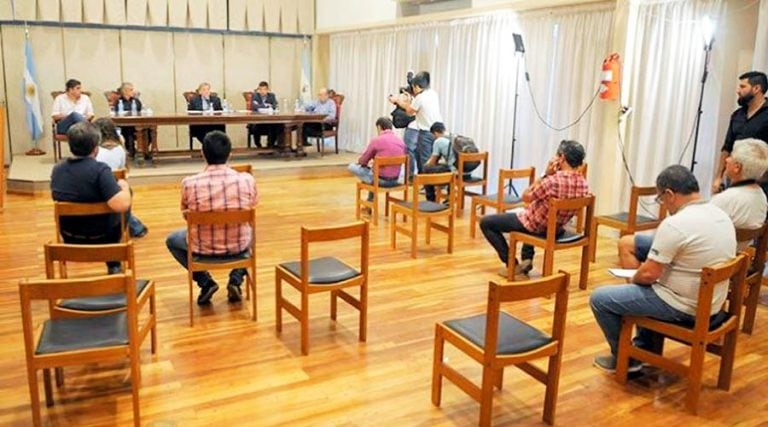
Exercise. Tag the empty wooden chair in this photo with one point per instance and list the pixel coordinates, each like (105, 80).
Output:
(552, 242)
(715, 334)
(325, 274)
(246, 259)
(376, 188)
(497, 340)
(628, 222)
(501, 201)
(468, 180)
(415, 210)
(63, 342)
(759, 240)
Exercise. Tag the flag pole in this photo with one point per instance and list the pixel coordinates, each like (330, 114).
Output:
(35, 150)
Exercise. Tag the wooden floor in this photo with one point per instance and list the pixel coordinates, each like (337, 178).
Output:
(228, 370)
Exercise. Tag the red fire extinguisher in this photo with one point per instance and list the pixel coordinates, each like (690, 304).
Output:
(609, 86)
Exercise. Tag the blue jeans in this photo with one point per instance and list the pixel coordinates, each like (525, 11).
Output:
(366, 176)
(424, 148)
(64, 124)
(643, 243)
(610, 303)
(411, 139)
(135, 226)
(177, 245)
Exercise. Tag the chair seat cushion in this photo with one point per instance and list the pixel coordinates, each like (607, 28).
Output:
(515, 336)
(81, 333)
(424, 206)
(470, 179)
(569, 237)
(326, 270)
(508, 198)
(221, 259)
(715, 321)
(624, 217)
(100, 303)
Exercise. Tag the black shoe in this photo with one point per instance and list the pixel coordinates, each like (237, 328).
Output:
(234, 293)
(115, 269)
(143, 232)
(206, 292)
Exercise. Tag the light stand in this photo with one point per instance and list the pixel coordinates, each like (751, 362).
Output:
(519, 48)
(708, 27)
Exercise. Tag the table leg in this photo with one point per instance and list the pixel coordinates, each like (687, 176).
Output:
(154, 146)
(141, 145)
(285, 146)
(300, 141)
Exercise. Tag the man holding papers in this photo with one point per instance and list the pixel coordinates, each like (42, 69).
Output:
(666, 286)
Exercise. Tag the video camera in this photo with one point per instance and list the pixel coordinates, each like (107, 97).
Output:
(409, 87)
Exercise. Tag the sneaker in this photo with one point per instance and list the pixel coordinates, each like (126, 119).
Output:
(234, 293)
(206, 292)
(143, 232)
(524, 267)
(608, 364)
(503, 272)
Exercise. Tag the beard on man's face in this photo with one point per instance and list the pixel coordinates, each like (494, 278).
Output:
(744, 100)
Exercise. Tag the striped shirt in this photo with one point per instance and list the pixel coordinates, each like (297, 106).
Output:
(560, 185)
(219, 188)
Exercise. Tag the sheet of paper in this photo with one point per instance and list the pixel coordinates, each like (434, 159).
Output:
(622, 273)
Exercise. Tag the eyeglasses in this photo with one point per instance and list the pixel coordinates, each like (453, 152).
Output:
(659, 196)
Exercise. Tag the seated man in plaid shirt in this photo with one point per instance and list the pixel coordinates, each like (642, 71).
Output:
(216, 188)
(561, 181)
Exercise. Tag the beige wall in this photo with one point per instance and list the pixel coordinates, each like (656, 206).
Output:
(161, 64)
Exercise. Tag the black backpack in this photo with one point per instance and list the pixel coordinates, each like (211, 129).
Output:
(464, 144)
(401, 119)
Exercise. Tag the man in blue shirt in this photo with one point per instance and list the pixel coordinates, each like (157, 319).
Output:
(323, 105)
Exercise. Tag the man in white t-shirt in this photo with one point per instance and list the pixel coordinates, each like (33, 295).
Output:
(426, 107)
(71, 107)
(666, 286)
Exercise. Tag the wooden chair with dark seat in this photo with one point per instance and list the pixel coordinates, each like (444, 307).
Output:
(468, 180)
(376, 188)
(61, 209)
(58, 138)
(497, 340)
(759, 240)
(188, 97)
(555, 242)
(334, 131)
(715, 334)
(246, 259)
(326, 274)
(242, 168)
(414, 210)
(501, 201)
(62, 341)
(250, 128)
(628, 222)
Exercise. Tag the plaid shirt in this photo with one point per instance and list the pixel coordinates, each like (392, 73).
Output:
(219, 188)
(560, 185)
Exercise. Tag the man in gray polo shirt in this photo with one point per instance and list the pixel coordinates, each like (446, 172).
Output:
(666, 286)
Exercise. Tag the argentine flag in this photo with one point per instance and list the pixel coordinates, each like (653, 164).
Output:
(306, 74)
(32, 96)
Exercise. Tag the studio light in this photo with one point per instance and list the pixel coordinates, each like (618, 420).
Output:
(708, 27)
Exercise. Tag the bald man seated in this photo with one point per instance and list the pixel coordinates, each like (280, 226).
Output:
(322, 105)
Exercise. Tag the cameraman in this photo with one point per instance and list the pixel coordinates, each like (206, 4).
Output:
(426, 107)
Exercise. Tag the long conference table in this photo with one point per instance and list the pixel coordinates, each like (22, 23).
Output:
(146, 127)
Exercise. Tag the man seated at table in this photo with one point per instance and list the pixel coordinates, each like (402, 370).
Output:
(216, 188)
(665, 287)
(744, 201)
(562, 180)
(263, 98)
(71, 107)
(386, 144)
(204, 101)
(323, 105)
(82, 179)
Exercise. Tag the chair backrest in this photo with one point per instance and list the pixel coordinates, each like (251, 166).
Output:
(357, 229)
(339, 100)
(575, 204)
(583, 169)
(119, 173)
(758, 239)
(248, 96)
(64, 252)
(506, 176)
(481, 157)
(735, 272)
(422, 179)
(191, 94)
(61, 209)
(111, 96)
(634, 201)
(382, 161)
(56, 93)
(499, 293)
(242, 168)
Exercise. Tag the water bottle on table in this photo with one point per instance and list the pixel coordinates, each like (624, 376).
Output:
(134, 108)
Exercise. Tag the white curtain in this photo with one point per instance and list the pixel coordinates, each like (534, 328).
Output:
(663, 72)
(473, 67)
(760, 61)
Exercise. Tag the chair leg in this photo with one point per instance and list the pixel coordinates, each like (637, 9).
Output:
(549, 262)
(34, 395)
(393, 230)
(252, 284)
(304, 323)
(499, 378)
(622, 358)
(694, 378)
(357, 203)
(553, 382)
(437, 364)
(450, 233)
(512, 259)
(472, 220)
(336, 142)
(593, 241)
(486, 396)
(153, 331)
(191, 312)
(375, 209)
(750, 309)
(584, 273)
(59, 374)
(278, 303)
(135, 383)
(364, 312)
(414, 235)
(334, 303)
(726, 360)
(428, 234)
(47, 387)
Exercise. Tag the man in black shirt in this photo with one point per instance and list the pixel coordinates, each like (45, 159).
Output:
(749, 121)
(81, 179)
